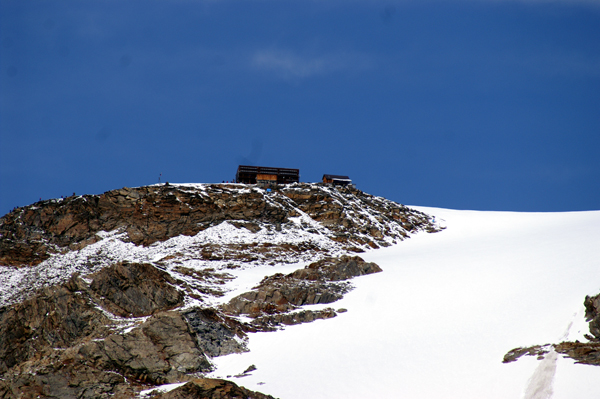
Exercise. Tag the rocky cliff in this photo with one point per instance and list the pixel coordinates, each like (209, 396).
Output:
(110, 295)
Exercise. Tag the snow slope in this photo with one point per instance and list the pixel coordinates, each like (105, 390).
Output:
(439, 319)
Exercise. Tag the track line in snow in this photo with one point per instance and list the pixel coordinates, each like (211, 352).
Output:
(540, 384)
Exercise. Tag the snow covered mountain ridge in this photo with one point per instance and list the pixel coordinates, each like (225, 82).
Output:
(143, 286)
(175, 291)
(203, 225)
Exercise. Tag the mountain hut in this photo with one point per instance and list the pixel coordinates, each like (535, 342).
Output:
(266, 176)
(337, 180)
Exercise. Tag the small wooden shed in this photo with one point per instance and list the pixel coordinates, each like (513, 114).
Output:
(337, 180)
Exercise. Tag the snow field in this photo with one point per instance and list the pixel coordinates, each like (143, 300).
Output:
(439, 319)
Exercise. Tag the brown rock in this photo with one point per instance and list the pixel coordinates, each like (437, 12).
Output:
(135, 289)
(159, 351)
(319, 282)
(336, 269)
(206, 388)
(581, 352)
(270, 322)
(57, 317)
(65, 381)
(592, 314)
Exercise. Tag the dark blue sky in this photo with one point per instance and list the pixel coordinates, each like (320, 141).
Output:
(490, 105)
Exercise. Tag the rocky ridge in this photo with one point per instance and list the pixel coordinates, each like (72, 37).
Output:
(113, 294)
(194, 227)
(149, 214)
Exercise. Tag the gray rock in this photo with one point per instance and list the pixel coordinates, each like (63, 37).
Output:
(216, 334)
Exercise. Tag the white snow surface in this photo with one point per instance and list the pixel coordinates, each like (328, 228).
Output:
(438, 320)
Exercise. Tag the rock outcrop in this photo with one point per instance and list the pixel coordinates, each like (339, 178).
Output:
(320, 282)
(217, 334)
(592, 315)
(161, 350)
(147, 214)
(134, 290)
(581, 352)
(58, 317)
(51, 340)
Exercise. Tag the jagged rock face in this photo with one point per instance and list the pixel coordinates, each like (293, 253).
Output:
(156, 213)
(159, 351)
(57, 317)
(132, 289)
(149, 214)
(63, 379)
(61, 344)
(341, 214)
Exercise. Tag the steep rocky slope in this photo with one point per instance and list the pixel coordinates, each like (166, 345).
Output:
(112, 294)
